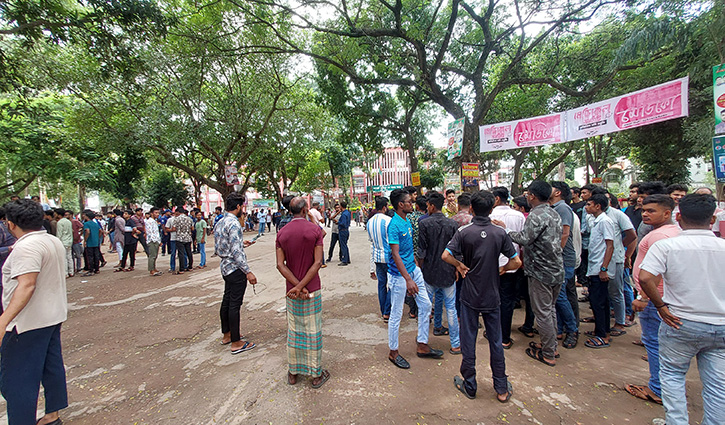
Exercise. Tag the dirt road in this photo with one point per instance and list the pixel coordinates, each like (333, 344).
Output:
(143, 350)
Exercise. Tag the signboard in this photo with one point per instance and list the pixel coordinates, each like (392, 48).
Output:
(652, 105)
(718, 155)
(384, 188)
(718, 88)
(542, 130)
(597, 180)
(415, 177)
(469, 174)
(455, 138)
(263, 203)
(230, 173)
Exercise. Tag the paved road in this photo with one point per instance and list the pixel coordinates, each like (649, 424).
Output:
(142, 350)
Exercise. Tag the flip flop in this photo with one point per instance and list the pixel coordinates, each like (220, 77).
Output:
(638, 342)
(617, 332)
(510, 392)
(246, 347)
(289, 379)
(325, 377)
(596, 342)
(508, 346)
(157, 274)
(536, 346)
(458, 382)
(587, 319)
(640, 392)
(528, 334)
(454, 352)
(538, 354)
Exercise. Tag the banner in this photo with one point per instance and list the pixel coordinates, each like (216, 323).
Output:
(652, 105)
(230, 172)
(718, 155)
(543, 130)
(718, 88)
(415, 178)
(263, 203)
(469, 174)
(455, 138)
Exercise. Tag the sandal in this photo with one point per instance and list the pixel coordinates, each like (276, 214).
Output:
(638, 342)
(509, 345)
(617, 332)
(291, 379)
(458, 382)
(640, 391)
(325, 376)
(538, 354)
(509, 393)
(589, 319)
(246, 347)
(571, 340)
(526, 332)
(596, 342)
(537, 346)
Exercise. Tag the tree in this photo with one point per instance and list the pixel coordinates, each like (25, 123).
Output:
(162, 189)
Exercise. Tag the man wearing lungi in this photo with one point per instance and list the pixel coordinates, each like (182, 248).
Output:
(299, 258)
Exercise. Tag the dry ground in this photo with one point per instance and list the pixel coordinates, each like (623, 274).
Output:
(142, 350)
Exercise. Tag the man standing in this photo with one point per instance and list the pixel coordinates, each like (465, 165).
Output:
(440, 277)
(163, 218)
(299, 257)
(77, 242)
(218, 215)
(140, 222)
(7, 240)
(634, 206)
(343, 229)
(577, 203)
(513, 280)
(544, 266)
(404, 276)
(153, 240)
(119, 234)
(262, 220)
(64, 232)
(480, 245)
(450, 208)
(184, 225)
(130, 242)
(377, 229)
(599, 269)
(677, 191)
(200, 227)
(235, 271)
(35, 306)
(656, 212)
(462, 218)
(567, 304)
(316, 217)
(92, 243)
(692, 309)
(335, 235)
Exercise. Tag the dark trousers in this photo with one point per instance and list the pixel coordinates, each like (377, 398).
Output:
(571, 295)
(459, 285)
(27, 360)
(581, 271)
(142, 239)
(509, 295)
(129, 251)
(181, 252)
(599, 299)
(189, 255)
(235, 284)
(165, 243)
(333, 241)
(93, 258)
(381, 270)
(469, 333)
(522, 283)
(344, 236)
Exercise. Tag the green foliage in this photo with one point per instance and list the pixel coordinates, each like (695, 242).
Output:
(163, 189)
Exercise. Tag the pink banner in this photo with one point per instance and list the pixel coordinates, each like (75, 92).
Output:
(652, 105)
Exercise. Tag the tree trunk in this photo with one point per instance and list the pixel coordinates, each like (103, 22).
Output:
(81, 197)
(519, 157)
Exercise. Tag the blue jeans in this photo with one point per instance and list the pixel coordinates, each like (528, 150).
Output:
(344, 235)
(436, 298)
(616, 293)
(628, 292)
(650, 322)
(381, 271)
(448, 295)
(262, 226)
(27, 360)
(172, 255)
(565, 317)
(397, 287)
(202, 252)
(677, 348)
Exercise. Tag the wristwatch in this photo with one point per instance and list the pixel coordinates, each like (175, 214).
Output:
(603, 269)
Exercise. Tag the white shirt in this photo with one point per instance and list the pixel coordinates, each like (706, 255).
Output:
(318, 216)
(514, 221)
(37, 252)
(377, 228)
(169, 225)
(262, 217)
(692, 266)
(152, 231)
(622, 223)
(603, 229)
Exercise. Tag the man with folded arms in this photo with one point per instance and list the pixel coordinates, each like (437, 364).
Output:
(35, 303)
(404, 277)
(480, 244)
(692, 309)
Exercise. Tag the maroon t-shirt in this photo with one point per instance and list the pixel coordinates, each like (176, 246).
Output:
(298, 240)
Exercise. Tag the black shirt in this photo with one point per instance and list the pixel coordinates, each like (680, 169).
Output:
(578, 208)
(635, 215)
(434, 233)
(480, 244)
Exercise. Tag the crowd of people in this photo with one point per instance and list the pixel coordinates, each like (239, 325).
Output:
(475, 255)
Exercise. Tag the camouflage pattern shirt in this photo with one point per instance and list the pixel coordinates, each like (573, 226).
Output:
(541, 239)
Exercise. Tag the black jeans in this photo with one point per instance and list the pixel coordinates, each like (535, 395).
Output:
(235, 284)
(469, 333)
(581, 271)
(333, 241)
(599, 299)
(93, 258)
(129, 250)
(572, 295)
(508, 293)
(522, 283)
(189, 254)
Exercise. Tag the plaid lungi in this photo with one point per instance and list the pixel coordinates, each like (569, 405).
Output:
(304, 335)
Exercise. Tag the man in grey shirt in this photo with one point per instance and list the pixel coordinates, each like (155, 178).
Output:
(567, 304)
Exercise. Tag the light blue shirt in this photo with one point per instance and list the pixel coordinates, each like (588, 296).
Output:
(377, 228)
(602, 230)
(622, 223)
